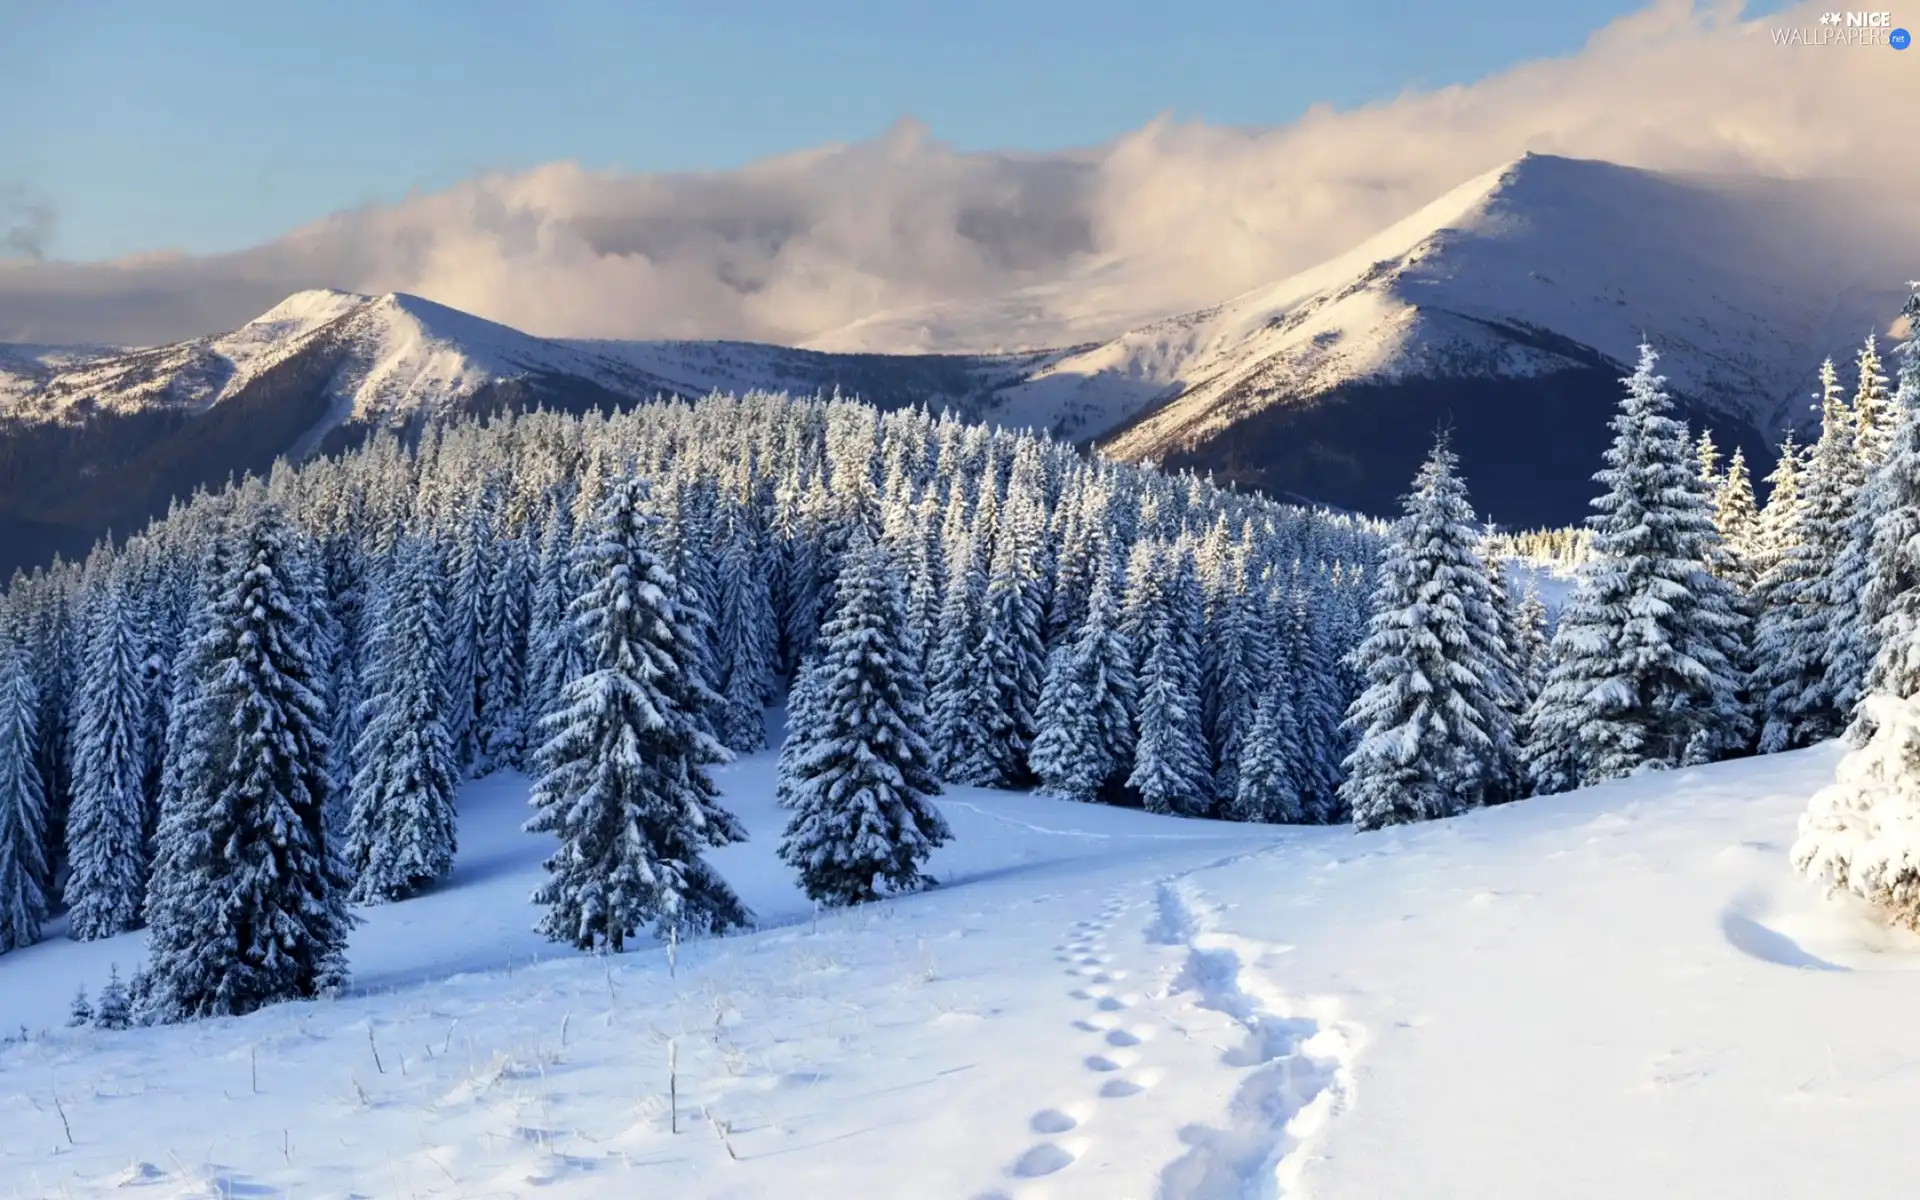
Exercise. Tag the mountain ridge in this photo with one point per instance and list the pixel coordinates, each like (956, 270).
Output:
(1507, 308)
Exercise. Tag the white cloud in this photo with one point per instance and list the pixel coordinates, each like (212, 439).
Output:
(1169, 216)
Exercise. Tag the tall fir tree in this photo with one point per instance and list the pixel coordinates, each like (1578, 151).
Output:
(624, 783)
(1852, 638)
(106, 834)
(958, 691)
(1170, 773)
(744, 640)
(1085, 742)
(248, 900)
(1791, 645)
(553, 643)
(1890, 596)
(500, 734)
(1012, 649)
(401, 835)
(23, 861)
(467, 585)
(860, 794)
(1434, 723)
(1737, 518)
(1645, 659)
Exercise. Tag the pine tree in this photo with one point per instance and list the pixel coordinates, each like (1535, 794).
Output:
(402, 835)
(80, 1012)
(23, 862)
(1858, 834)
(744, 637)
(1434, 723)
(859, 796)
(553, 644)
(1532, 653)
(1792, 643)
(1319, 703)
(959, 697)
(247, 904)
(1890, 597)
(1707, 461)
(803, 719)
(1645, 658)
(500, 733)
(623, 779)
(115, 1010)
(1267, 786)
(1852, 637)
(1012, 649)
(106, 834)
(1170, 769)
(1085, 742)
(1737, 519)
(467, 588)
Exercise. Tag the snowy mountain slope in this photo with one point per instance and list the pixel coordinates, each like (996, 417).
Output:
(1619, 991)
(92, 441)
(1613, 991)
(1506, 307)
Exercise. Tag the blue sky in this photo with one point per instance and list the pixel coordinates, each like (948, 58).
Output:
(180, 124)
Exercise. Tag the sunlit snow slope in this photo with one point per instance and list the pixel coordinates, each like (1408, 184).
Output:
(1619, 992)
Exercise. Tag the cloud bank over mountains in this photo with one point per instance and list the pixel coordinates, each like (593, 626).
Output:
(813, 246)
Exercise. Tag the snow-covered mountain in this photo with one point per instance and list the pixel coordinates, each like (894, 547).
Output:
(94, 437)
(1506, 309)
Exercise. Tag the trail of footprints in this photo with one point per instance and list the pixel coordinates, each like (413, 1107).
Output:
(1111, 1056)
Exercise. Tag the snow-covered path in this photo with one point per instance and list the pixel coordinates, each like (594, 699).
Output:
(1617, 992)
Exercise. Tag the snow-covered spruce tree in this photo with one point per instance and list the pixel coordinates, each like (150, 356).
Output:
(1435, 732)
(500, 731)
(470, 554)
(803, 720)
(1012, 650)
(744, 640)
(106, 833)
(1861, 834)
(623, 781)
(23, 861)
(401, 835)
(958, 695)
(1737, 518)
(861, 815)
(1706, 457)
(1780, 519)
(1794, 633)
(1322, 698)
(1266, 787)
(1085, 743)
(115, 1009)
(1235, 659)
(248, 899)
(1890, 601)
(1532, 654)
(1853, 637)
(80, 1009)
(1170, 773)
(553, 643)
(1644, 670)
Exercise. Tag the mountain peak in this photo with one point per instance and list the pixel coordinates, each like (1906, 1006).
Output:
(310, 309)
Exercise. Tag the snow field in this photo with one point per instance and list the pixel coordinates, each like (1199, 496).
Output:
(1615, 992)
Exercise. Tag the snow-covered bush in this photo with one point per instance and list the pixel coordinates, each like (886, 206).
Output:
(1861, 833)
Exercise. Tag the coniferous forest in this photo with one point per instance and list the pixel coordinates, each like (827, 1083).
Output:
(257, 713)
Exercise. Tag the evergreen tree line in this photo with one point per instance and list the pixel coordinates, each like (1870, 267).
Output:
(1701, 626)
(258, 712)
